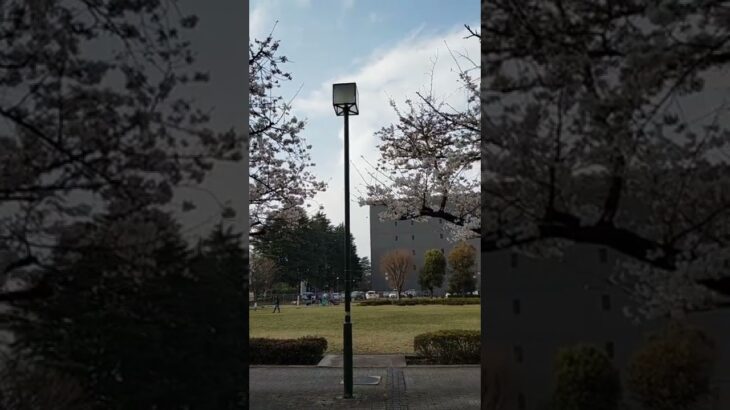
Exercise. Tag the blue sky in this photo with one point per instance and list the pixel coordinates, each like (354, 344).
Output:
(389, 48)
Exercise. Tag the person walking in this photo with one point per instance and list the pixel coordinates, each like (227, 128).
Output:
(276, 305)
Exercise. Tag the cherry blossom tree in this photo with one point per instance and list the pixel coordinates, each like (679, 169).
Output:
(585, 138)
(279, 160)
(92, 118)
(427, 155)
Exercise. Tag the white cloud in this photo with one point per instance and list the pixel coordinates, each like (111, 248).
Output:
(397, 72)
(264, 14)
(260, 21)
(375, 17)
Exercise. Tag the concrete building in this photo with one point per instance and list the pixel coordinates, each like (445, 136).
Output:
(415, 237)
(534, 307)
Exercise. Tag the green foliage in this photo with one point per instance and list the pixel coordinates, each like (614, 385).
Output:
(422, 301)
(375, 302)
(433, 271)
(365, 283)
(462, 301)
(462, 261)
(310, 248)
(283, 289)
(449, 346)
(672, 370)
(585, 380)
(307, 350)
(137, 336)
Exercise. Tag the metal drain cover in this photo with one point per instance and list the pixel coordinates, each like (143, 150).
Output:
(364, 380)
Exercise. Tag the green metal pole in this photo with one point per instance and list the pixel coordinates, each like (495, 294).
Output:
(347, 340)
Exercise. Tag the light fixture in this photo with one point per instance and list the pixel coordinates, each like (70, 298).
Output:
(345, 99)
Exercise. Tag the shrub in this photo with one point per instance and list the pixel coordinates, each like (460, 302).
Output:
(307, 350)
(462, 301)
(585, 380)
(375, 302)
(672, 370)
(422, 301)
(449, 346)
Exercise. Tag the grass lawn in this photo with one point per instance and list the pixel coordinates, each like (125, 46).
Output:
(376, 329)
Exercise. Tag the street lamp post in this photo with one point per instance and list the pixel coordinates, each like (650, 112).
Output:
(344, 100)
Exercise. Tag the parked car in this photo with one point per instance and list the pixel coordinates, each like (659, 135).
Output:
(357, 295)
(306, 298)
(411, 293)
(393, 295)
(371, 294)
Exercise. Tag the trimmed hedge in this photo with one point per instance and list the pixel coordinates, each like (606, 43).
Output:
(375, 302)
(422, 301)
(449, 346)
(307, 350)
(462, 301)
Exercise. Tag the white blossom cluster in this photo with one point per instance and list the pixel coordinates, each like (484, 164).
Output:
(587, 143)
(660, 293)
(280, 177)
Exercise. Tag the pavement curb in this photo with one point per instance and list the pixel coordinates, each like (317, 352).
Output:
(411, 366)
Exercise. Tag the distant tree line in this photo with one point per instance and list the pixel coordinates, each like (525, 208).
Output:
(306, 248)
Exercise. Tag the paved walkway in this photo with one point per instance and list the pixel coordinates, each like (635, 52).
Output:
(414, 387)
(365, 360)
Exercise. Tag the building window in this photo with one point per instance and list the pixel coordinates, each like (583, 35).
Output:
(414, 267)
(442, 250)
(513, 261)
(603, 255)
(396, 237)
(396, 223)
(413, 237)
(411, 222)
(521, 402)
(414, 251)
(518, 354)
(440, 221)
(609, 349)
(606, 302)
(516, 308)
